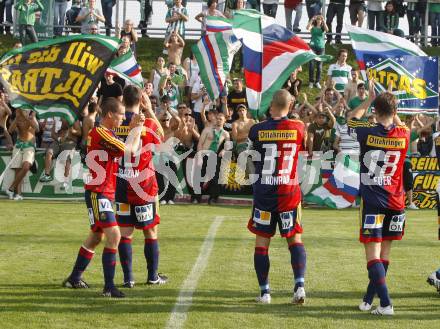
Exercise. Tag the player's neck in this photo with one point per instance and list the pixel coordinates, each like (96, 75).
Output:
(134, 109)
(385, 121)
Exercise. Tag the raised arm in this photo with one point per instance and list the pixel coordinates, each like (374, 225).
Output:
(360, 111)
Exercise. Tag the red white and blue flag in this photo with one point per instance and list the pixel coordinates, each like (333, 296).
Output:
(127, 68)
(216, 24)
(270, 54)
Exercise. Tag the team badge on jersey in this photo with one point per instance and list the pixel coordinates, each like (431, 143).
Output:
(396, 223)
(373, 221)
(262, 217)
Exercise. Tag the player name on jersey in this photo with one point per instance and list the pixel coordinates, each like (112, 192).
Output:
(386, 142)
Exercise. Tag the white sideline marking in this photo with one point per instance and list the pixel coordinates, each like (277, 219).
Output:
(179, 313)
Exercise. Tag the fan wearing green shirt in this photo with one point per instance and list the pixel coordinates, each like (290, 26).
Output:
(26, 18)
(360, 98)
(317, 29)
(339, 73)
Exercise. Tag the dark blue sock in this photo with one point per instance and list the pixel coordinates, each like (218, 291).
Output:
(376, 273)
(109, 265)
(437, 274)
(262, 265)
(298, 259)
(125, 256)
(83, 259)
(371, 290)
(151, 252)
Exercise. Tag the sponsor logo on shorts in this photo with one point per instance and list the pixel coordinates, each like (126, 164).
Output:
(123, 209)
(373, 221)
(105, 205)
(144, 213)
(262, 217)
(286, 219)
(396, 223)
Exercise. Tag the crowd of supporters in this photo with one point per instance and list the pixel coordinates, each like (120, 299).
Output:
(377, 14)
(182, 106)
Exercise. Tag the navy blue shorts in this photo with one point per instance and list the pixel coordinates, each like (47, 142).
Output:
(100, 211)
(264, 223)
(142, 217)
(379, 224)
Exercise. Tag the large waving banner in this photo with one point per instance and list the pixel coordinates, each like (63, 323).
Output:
(414, 80)
(56, 77)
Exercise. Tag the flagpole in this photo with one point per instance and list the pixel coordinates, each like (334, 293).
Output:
(117, 16)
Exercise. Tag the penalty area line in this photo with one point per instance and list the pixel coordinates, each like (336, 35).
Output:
(184, 300)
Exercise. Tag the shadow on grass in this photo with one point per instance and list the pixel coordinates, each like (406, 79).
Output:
(52, 299)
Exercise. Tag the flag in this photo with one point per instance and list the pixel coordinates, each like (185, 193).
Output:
(270, 54)
(214, 54)
(127, 68)
(414, 81)
(341, 189)
(369, 42)
(56, 77)
(216, 24)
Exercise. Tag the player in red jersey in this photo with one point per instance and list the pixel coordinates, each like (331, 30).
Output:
(277, 195)
(103, 149)
(383, 148)
(136, 190)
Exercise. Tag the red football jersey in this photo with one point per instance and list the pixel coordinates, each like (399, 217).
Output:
(382, 156)
(136, 180)
(103, 149)
(279, 143)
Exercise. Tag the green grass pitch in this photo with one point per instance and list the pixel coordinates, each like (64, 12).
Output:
(39, 242)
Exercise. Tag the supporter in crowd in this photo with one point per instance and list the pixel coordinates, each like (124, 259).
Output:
(174, 44)
(159, 71)
(270, 7)
(317, 28)
(59, 13)
(176, 18)
(5, 113)
(109, 88)
(107, 9)
(191, 67)
(344, 142)
(293, 83)
(210, 11)
(23, 154)
(26, 18)
(339, 73)
(88, 16)
(240, 129)
(319, 132)
(434, 18)
(212, 139)
(289, 7)
(351, 88)
(236, 96)
(253, 4)
(71, 15)
(130, 33)
(375, 13)
(357, 10)
(198, 94)
(313, 8)
(360, 98)
(64, 141)
(416, 19)
(6, 8)
(93, 28)
(169, 89)
(390, 21)
(335, 8)
(167, 190)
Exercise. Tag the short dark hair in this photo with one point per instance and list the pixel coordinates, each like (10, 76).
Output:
(342, 51)
(385, 104)
(361, 85)
(110, 105)
(165, 98)
(210, 2)
(92, 108)
(131, 96)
